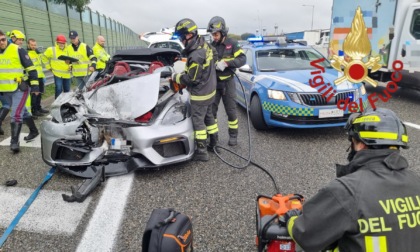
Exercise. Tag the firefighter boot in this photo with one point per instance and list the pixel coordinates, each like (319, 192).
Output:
(201, 153)
(233, 137)
(15, 130)
(3, 114)
(214, 139)
(33, 131)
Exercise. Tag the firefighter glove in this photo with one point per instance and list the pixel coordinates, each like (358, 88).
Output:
(221, 65)
(176, 87)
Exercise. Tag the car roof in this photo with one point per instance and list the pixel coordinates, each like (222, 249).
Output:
(258, 47)
(167, 40)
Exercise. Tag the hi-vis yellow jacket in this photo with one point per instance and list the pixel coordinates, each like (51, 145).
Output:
(37, 60)
(13, 62)
(59, 67)
(101, 55)
(80, 68)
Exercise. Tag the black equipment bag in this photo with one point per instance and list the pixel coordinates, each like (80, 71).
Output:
(168, 231)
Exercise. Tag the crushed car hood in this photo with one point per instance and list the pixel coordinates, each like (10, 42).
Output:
(298, 81)
(125, 100)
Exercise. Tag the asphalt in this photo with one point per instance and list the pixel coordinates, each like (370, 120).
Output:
(219, 199)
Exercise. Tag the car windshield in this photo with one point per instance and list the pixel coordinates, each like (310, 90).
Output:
(275, 60)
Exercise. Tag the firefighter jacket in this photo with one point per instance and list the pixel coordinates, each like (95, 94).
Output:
(229, 51)
(13, 62)
(200, 72)
(101, 55)
(59, 67)
(86, 58)
(373, 205)
(36, 58)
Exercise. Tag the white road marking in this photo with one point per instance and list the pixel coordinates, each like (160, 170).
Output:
(412, 125)
(36, 143)
(102, 230)
(48, 214)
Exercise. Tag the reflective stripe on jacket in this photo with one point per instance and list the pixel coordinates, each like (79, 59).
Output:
(199, 75)
(101, 55)
(37, 60)
(10, 68)
(373, 206)
(80, 68)
(51, 61)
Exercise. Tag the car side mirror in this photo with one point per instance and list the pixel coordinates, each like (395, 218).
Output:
(246, 68)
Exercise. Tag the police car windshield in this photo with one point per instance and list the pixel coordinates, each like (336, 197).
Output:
(275, 60)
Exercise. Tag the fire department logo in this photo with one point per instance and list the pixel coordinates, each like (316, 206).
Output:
(357, 46)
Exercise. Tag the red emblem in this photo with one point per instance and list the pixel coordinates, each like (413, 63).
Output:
(228, 47)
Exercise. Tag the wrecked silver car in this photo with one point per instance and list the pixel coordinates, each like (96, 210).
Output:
(127, 118)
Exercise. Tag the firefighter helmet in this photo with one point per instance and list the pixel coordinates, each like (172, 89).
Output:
(61, 39)
(17, 34)
(375, 128)
(217, 24)
(185, 26)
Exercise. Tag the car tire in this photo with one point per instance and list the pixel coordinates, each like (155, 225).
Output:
(256, 114)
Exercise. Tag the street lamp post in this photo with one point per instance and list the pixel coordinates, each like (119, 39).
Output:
(313, 7)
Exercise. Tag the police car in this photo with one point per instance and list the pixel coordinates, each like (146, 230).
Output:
(286, 85)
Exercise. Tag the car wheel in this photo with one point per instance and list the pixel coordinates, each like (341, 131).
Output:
(256, 114)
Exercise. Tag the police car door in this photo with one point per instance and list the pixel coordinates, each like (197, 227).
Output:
(246, 75)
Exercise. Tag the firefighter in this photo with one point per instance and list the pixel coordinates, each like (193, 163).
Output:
(61, 69)
(373, 204)
(87, 60)
(36, 57)
(101, 55)
(13, 62)
(199, 77)
(230, 57)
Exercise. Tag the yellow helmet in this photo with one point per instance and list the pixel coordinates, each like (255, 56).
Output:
(17, 34)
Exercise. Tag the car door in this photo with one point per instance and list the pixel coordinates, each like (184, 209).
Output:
(246, 78)
(409, 48)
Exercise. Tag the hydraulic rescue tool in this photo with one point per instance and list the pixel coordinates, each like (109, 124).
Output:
(272, 235)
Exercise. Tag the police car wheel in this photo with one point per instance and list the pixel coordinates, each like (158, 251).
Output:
(256, 114)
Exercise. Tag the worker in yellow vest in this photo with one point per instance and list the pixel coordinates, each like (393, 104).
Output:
(100, 53)
(13, 62)
(87, 60)
(17, 37)
(36, 57)
(60, 68)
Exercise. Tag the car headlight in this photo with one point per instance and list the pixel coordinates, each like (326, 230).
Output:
(276, 95)
(175, 114)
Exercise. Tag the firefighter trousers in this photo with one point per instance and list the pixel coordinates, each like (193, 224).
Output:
(203, 121)
(228, 96)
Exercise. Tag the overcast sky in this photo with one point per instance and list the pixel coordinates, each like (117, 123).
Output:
(240, 15)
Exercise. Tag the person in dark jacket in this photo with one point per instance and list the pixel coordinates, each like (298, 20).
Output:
(200, 79)
(230, 57)
(374, 203)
